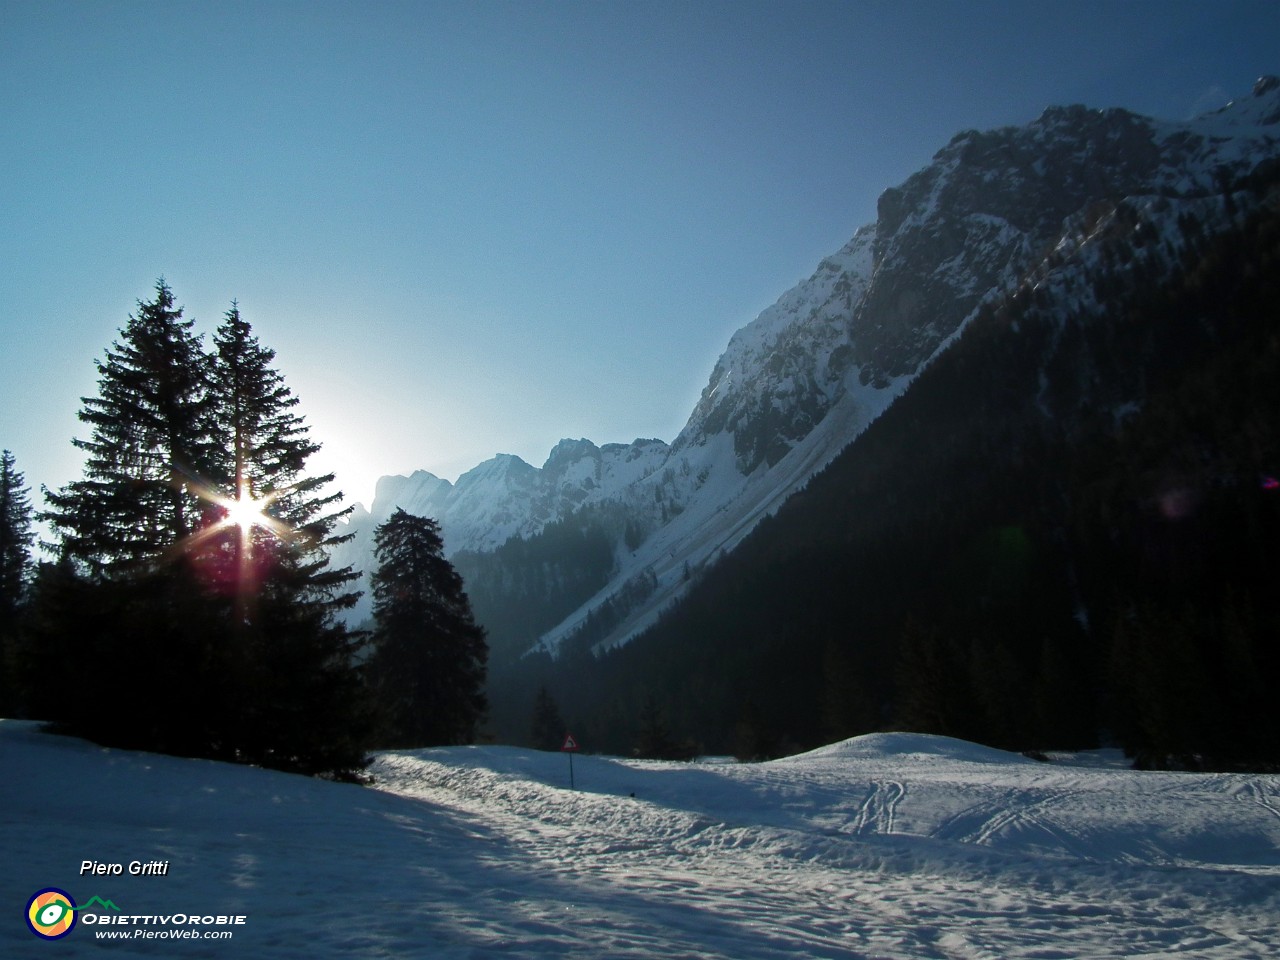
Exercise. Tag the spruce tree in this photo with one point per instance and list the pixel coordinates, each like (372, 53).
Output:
(288, 516)
(15, 563)
(149, 449)
(124, 600)
(547, 726)
(15, 540)
(300, 703)
(654, 740)
(429, 654)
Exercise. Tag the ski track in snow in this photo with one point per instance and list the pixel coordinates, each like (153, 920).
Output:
(888, 846)
(1262, 795)
(877, 811)
(807, 850)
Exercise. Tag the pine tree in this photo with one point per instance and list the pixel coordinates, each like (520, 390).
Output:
(300, 702)
(15, 540)
(15, 564)
(149, 448)
(123, 597)
(548, 727)
(752, 737)
(282, 515)
(429, 654)
(654, 740)
(846, 710)
(929, 679)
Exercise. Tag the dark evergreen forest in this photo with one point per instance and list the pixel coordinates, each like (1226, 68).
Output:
(1063, 534)
(190, 606)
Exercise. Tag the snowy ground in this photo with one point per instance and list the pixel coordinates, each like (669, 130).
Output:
(884, 846)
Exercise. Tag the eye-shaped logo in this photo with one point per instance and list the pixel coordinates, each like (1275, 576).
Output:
(51, 913)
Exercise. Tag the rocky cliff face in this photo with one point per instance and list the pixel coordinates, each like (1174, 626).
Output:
(800, 382)
(780, 374)
(982, 215)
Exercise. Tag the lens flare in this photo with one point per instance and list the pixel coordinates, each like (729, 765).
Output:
(245, 512)
(237, 541)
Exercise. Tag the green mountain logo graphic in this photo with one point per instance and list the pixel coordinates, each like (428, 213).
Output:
(106, 904)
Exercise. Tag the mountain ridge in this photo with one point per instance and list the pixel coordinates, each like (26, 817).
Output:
(801, 381)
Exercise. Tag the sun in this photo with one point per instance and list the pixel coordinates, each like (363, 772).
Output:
(245, 513)
(231, 543)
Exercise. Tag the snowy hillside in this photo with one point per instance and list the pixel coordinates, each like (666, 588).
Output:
(799, 383)
(887, 846)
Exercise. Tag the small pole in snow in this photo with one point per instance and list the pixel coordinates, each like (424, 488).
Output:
(570, 747)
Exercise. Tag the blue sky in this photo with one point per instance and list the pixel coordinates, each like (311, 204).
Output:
(472, 228)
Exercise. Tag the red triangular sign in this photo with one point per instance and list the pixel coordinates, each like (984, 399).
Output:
(569, 742)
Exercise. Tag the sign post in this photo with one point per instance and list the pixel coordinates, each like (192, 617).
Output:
(570, 747)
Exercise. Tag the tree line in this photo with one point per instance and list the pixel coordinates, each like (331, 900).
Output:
(190, 606)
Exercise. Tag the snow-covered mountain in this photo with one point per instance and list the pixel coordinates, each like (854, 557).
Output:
(799, 383)
(503, 497)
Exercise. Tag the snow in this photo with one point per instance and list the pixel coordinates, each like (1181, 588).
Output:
(886, 846)
(702, 495)
(721, 512)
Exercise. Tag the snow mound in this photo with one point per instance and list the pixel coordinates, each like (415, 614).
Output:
(901, 746)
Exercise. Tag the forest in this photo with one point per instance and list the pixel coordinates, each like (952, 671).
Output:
(1062, 535)
(190, 607)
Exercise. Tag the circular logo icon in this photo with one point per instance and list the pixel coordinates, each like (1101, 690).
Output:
(51, 913)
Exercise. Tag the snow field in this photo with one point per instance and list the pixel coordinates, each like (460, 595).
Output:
(887, 846)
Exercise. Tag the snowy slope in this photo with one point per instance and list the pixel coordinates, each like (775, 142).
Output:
(887, 846)
(799, 383)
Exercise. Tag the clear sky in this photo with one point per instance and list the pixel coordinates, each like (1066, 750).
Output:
(478, 227)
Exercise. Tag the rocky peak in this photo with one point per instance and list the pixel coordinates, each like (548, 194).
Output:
(781, 372)
(639, 447)
(977, 219)
(568, 452)
(418, 493)
(503, 470)
(984, 211)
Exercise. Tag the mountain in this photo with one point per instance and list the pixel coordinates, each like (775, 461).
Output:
(992, 212)
(1061, 532)
(502, 498)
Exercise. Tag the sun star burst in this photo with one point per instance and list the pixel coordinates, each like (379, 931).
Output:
(246, 512)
